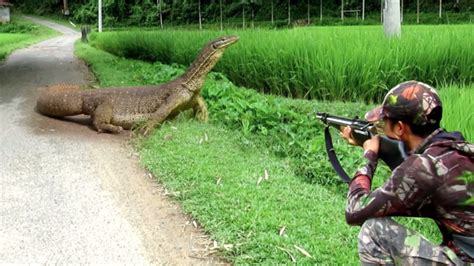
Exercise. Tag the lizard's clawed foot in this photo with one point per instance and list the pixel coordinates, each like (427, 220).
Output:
(109, 128)
(146, 129)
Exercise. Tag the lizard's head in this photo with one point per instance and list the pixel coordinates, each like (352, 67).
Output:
(224, 42)
(215, 49)
(206, 60)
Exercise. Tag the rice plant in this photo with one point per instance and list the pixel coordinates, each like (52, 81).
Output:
(330, 63)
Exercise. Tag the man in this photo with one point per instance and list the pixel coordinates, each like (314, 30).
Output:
(435, 181)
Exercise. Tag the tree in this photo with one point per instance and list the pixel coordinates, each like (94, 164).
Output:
(320, 10)
(65, 8)
(440, 8)
(342, 9)
(243, 3)
(254, 6)
(160, 12)
(363, 9)
(308, 14)
(271, 11)
(289, 12)
(199, 14)
(417, 11)
(220, 9)
(401, 10)
(391, 18)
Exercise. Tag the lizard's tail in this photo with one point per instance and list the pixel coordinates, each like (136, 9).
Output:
(60, 100)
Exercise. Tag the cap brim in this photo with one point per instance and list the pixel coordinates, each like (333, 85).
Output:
(375, 114)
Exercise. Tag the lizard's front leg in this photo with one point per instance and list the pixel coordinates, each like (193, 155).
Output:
(200, 109)
(161, 114)
(102, 116)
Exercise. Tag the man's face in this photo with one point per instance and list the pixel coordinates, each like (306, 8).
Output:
(388, 128)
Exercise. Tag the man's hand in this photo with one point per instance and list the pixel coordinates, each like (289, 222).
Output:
(346, 133)
(370, 144)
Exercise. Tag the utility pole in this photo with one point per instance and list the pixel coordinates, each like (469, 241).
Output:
(391, 18)
(100, 15)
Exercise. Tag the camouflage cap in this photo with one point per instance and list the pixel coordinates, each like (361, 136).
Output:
(410, 101)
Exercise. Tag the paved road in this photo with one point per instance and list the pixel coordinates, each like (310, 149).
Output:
(70, 195)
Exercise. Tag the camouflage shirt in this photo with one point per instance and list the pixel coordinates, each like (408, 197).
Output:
(436, 181)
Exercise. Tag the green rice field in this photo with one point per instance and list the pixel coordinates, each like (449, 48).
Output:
(329, 63)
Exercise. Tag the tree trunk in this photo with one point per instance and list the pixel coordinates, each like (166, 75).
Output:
(100, 15)
(320, 10)
(417, 11)
(391, 18)
(309, 21)
(289, 12)
(272, 12)
(342, 9)
(158, 2)
(363, 9)
(243, 16)
(381, 11)
(253, 18)
(199, 11)
(401, 10)
(440, 8)
(65, 8)
(220, 2)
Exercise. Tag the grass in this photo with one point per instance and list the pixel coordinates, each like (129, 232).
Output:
(21, 33)
(214, 169)
(330, 63)
(458, 114)
(221, 190)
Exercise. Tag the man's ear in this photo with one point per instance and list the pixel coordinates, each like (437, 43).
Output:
(403, 129)
(400, 129)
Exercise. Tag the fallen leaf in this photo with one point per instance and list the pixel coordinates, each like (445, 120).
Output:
(282, 230)
(288, 252)
(266, 174)
(303, 251)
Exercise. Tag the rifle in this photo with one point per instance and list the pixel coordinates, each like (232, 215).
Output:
(392, 152)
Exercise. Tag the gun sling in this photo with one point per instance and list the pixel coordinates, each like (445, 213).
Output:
(333, 158)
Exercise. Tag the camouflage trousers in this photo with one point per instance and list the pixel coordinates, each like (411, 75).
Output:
(384, 241)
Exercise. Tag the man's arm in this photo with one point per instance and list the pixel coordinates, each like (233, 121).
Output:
(402, 193)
